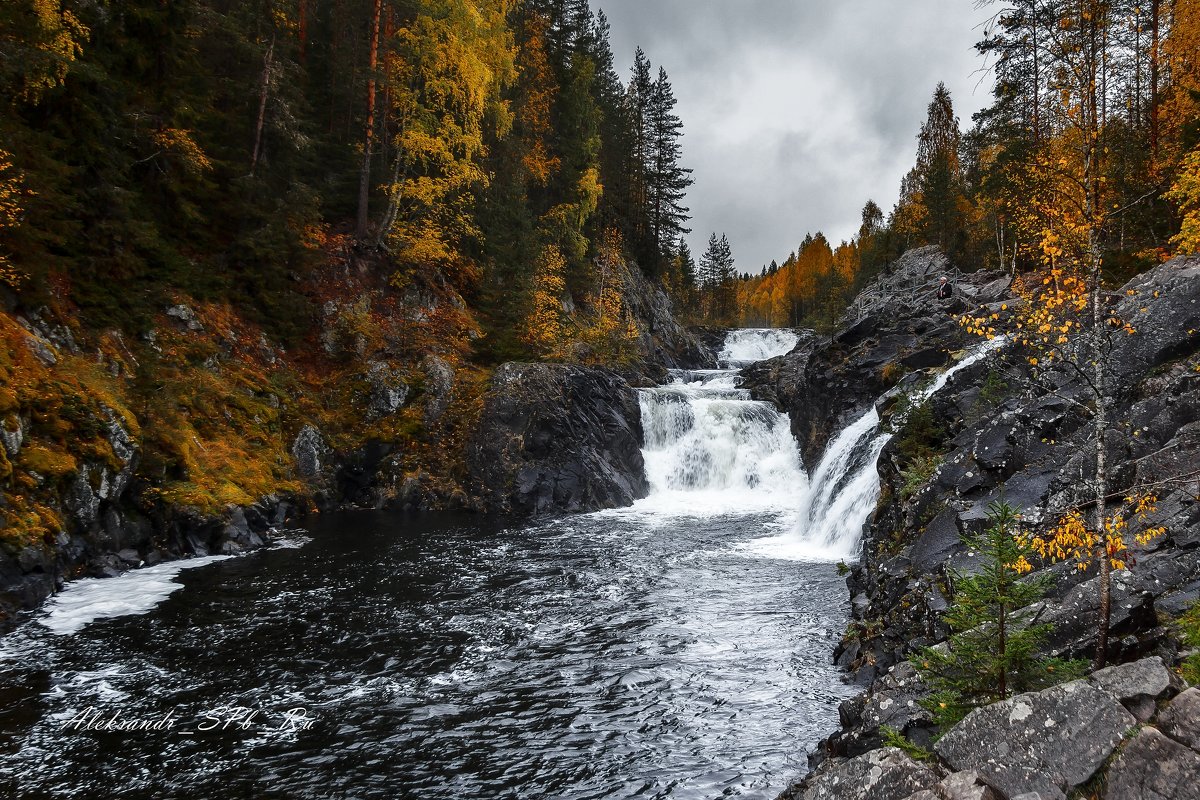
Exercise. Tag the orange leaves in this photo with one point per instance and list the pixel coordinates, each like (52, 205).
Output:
(1072, 538)
(12, 192)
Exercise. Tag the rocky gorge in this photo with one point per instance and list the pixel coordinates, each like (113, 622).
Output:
(239, 435)
(1117, 734)
(548, 438)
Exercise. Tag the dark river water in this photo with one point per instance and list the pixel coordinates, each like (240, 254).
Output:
(381, 656)
(677, 649)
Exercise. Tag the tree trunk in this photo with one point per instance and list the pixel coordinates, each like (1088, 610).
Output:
(264, 90)
(1154, 47)
(364, 177)
(302, 30)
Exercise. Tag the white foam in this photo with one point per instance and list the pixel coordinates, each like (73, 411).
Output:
(845, 486)
(747, 345)
(135, 592)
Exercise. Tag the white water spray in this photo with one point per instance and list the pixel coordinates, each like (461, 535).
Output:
(710, 449)
(844, 488)
(748, 345)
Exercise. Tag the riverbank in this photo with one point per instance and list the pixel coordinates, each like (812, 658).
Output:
(993, 439)
(202, 435)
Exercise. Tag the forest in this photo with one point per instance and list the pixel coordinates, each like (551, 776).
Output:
(1089, 147)
(487, 151)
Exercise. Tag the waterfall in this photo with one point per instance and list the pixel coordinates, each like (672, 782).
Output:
(745, 346)
(710, 449)
(844, 488)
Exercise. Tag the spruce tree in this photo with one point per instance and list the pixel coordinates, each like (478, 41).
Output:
(993, 650)
(667, 180)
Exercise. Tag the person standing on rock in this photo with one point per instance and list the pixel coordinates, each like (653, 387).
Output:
(945, 288)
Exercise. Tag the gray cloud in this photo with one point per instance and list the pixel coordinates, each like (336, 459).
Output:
(796, 112)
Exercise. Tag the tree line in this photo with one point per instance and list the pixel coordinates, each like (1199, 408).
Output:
(1088, 152)
(487, 148)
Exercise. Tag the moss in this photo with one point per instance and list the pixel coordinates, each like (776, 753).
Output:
(1188, 625)
(48, 463)
(917, 474)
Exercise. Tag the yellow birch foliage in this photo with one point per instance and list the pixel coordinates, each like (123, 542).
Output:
(1071, 538)
(1185, 193)
(445, 72)
(544, 325)
(1182, 49)
(11, 192)
(43, 39)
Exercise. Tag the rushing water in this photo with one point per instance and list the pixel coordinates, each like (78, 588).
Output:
(845, 486)
(678, 648)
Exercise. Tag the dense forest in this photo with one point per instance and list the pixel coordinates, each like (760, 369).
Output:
(232, 233)
(487, 150)
(1090, 146)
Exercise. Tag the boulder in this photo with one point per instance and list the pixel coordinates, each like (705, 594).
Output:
(388, 391)
(1181, 719)
(439, 388)
(311, 453)
(1137, 684)
(1164, 309)
(557, 438)
(882, 774)
(1049, 741)
(185, 318)
(1153, 767)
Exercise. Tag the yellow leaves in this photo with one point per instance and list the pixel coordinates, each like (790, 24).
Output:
(12, 191)
(544, 324)
(179, 143)
(53, 42)
(1185, 193)
(1072, 538)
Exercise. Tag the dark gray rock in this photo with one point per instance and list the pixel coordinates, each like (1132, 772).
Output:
(185, 318)
(884, 774)
(555, 438)
(1165, 311)
(1137, 684)
(1153, 767)
(388, 391)
(41, 349)
(1049, 741)
(311, 453)
(1181, 719)
(893, 701)
(12, 435)
(439, 388)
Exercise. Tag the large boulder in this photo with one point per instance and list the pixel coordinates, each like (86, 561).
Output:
(1154, 767)
(557, 438)
(1048, 742)
(883, 774)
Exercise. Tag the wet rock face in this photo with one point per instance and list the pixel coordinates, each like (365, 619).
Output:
(1034, 449)
(557, 438)
(899, 328)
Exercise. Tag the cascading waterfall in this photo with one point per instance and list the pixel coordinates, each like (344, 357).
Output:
(745, 346)
(844, 487)
(709, 448)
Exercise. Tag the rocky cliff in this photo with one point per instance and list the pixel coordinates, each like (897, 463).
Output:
(987, 436)
(201, 435)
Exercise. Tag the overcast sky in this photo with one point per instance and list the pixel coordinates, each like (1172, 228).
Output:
(797, 111)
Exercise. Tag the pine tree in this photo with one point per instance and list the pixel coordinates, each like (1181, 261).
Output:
(993, 650)
(667, 181)
(939, 174)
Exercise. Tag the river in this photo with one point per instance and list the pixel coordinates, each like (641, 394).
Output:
(679, 648)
